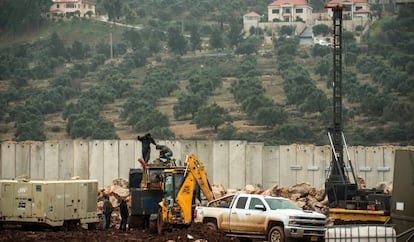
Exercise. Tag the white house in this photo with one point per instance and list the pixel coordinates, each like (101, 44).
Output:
(290, 11)
(81, 8)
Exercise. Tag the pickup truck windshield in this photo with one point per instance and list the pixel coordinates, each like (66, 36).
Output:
(275, 203)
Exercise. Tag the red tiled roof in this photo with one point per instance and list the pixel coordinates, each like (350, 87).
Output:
(252, 14)
(73, 1)
(56, 11)
(65, 1)
(293, 2)
(349, 1)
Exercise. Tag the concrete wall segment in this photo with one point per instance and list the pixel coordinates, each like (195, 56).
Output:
(305, 161)
(23, 159)
(271, 166)
(8, 160)
(51, 160)
(110, 161)
(96, 161)
(288, 163)
(37, 160)
(237, 164)
(127, 158)
(66, 159)
(204, 150)
(254, 163)
(81, 159)
(389, 157)
(221, 163)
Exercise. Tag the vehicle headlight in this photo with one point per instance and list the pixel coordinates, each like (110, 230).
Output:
(292, 220)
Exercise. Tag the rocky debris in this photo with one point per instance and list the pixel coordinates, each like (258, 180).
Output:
(385, 186)
(117, 191)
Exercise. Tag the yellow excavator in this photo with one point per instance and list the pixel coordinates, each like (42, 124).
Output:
(181, 187)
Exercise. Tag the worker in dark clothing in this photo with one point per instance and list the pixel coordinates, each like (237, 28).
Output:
(146, 141)
(165, 152)
(107, 210)
(123, 209)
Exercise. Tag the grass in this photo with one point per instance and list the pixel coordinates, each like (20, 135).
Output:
(87, 31)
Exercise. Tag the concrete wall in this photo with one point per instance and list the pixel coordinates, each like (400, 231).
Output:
(234, 164)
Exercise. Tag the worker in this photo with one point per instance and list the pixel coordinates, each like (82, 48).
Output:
(165, 152)
(107, 210)
(146, 141)
(123, 209)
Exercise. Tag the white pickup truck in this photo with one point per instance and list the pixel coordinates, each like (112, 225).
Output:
(264, 217)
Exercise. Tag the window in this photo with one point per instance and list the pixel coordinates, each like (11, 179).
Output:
(358, 8)
(70, 5)
(241, 203)
(299, 10)
(287, 10)
(57, 6)
(254, 201)
(276, 11)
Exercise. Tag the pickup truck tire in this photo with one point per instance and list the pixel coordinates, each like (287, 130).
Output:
(276, 234)
(212, 226)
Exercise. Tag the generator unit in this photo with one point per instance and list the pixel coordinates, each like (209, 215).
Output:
(53, 203)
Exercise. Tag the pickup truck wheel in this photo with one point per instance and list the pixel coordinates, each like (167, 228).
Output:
(212, 226)
(276, 234)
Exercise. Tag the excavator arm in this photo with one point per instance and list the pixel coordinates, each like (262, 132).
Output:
(180, 209)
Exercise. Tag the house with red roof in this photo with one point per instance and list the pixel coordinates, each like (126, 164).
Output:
(354, 9)
(290, 11)
(68, 8)
(251, 19)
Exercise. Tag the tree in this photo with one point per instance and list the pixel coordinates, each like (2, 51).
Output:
(29, 124)
(248, 46)
(270, 116)
(216, 39)
(188, 104)
(211, 116)
(176, 41)
(56, 46)
(78, 50)
(113, 8)
(246, 87)
(195, 39)
(287, 30)
(321, 29)
(23, 14)
(235, 33)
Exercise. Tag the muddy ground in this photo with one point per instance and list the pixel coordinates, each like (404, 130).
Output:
(196, 232)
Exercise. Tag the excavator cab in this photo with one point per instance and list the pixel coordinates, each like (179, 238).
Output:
(173, 179)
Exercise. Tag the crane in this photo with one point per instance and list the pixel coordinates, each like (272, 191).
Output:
(347, 202)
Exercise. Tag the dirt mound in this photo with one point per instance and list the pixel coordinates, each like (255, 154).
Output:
(196, 232)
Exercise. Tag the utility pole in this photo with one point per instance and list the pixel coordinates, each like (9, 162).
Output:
(111, 43)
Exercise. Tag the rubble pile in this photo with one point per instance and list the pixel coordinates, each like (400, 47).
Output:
(117, 191)
(303, 194)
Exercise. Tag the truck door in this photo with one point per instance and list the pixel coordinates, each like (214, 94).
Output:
(238, 215)
(256, 217)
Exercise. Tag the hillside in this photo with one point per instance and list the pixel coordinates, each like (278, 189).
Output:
(82, 93)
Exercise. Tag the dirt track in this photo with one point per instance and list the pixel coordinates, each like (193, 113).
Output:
(195, 232)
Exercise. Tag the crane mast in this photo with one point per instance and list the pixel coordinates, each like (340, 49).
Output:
(338, 184)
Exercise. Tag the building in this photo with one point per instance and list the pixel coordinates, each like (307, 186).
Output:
(354, 9)
(69, 8)
(290, 11)
(251, 19)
